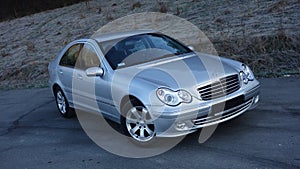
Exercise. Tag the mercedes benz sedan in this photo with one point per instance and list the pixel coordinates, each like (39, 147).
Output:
(150, 83)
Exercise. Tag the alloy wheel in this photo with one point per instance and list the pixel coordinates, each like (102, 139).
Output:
(139, 124)
(61, 102)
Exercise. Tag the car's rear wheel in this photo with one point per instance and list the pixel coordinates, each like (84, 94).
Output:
(63, 104)
(137, 122)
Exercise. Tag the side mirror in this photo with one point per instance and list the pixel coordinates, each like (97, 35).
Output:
(94, 71)
(191, 47)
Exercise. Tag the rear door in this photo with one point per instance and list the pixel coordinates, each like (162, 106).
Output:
(66, 67)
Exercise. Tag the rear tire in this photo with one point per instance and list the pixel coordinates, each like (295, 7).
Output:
(63, 104)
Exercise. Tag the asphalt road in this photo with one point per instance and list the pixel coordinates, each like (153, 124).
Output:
(34, 135)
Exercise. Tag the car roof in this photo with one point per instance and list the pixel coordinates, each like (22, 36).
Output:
(117, 35)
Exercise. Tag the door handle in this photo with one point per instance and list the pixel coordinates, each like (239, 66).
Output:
(60, 71)
(79, 77)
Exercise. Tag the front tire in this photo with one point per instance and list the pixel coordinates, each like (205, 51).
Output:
(137, 123)
(63, 104)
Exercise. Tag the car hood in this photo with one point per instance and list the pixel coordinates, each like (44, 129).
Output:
(181, 72)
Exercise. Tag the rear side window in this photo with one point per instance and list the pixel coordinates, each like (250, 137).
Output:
(70, 57)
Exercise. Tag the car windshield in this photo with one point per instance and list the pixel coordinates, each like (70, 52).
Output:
(139, 49)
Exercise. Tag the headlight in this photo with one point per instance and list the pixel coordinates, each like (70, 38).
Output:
(246, 74)
(173, 98)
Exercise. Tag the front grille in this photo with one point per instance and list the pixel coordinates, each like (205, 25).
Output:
(222, 87)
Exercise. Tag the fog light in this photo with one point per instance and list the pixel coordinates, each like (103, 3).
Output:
(180, 125)
(256, 99)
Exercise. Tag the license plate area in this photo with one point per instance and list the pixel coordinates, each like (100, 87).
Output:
(223, 106)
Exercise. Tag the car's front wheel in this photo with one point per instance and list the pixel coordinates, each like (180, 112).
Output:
(63, 104)
(137, 122)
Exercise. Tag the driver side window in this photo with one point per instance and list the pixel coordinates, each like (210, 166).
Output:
(88, 58)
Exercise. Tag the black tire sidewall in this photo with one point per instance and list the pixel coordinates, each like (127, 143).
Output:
(69, 113)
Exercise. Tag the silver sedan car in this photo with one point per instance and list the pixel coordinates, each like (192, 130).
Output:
(150, 83)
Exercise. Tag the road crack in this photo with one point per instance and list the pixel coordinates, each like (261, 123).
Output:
(15, 123)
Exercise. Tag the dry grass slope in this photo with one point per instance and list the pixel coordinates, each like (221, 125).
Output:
(264, 34)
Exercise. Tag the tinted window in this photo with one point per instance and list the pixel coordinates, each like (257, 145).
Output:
(87, 58)
(163, 42)
(71, 55)
(141, 48)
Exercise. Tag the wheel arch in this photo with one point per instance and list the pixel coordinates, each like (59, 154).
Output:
(131, 98)
(55, 87)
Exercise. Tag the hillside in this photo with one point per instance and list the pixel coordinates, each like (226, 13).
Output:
(10, 9)
(263, 34)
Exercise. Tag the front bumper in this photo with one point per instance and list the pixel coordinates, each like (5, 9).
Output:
(207, 114)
